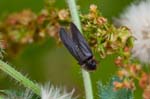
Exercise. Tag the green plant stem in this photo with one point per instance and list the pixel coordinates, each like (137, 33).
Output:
(85, 74)
(87, 84)
(19, 77)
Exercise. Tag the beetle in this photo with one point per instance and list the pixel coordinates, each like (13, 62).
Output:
(78, 47)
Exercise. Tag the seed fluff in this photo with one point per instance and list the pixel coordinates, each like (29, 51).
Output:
(50, 92)
(137, 18)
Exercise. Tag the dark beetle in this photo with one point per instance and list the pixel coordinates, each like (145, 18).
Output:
(78, 47)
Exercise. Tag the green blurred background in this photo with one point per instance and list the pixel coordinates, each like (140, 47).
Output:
(47, 62)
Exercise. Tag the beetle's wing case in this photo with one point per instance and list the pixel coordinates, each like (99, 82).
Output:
(71, 46)
(80, 41)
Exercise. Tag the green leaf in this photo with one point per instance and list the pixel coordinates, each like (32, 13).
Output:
(17, 94)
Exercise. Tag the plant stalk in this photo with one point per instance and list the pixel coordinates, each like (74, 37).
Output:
(85, 74)
(19, 77)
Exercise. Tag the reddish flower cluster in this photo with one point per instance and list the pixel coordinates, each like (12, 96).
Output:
(25, 27)
(103, 36)
(129, 72)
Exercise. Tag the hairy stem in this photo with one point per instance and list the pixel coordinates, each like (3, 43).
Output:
(19, 77)
(85, 74)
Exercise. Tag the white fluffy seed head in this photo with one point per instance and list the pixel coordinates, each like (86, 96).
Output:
(50, 92)
(137, 18)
